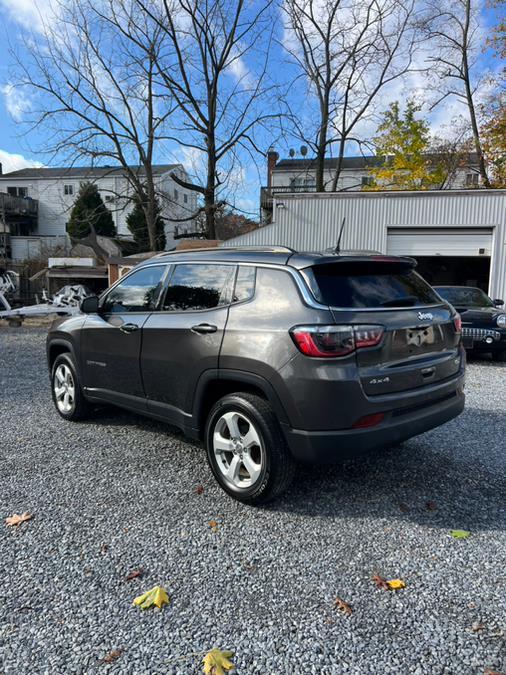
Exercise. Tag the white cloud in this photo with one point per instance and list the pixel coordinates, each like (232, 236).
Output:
(13, 162)
(16, 100)
(31, 14)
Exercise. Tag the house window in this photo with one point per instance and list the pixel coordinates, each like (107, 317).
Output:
(17, 191)
(109, 198)
(185, 197)
(176, 195)
(367, 181)
(68, 189)
(472, 180)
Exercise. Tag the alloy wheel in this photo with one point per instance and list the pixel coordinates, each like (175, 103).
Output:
(238, 449)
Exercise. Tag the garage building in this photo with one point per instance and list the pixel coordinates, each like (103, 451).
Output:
(458, 237)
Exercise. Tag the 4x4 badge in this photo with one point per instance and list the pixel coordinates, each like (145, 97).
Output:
(425, 316)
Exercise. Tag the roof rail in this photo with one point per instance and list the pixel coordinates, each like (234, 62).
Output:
(259, 249)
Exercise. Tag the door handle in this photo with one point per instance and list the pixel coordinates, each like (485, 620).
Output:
(204, 328)
(129, 327)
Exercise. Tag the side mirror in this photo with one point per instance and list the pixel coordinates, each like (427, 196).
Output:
(90, 305)
(498, 302)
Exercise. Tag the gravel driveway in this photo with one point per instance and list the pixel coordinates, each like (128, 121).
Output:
(119, 493)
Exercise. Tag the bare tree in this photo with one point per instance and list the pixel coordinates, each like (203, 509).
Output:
(454, 30)
(216, 70)
(347, 51)
(94, 70)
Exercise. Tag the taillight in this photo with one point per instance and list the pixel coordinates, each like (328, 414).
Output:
(368, 421)
(457, 322)
(334, 341)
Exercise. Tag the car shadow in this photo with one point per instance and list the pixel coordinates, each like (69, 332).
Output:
(441, 479)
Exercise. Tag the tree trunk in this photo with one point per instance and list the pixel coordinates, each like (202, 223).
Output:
(337, 172)
(322, 146)
(470, 102)
(150, 212)
(210, 192)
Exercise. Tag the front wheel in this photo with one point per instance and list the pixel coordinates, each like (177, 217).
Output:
(246, 449)
(66, 390)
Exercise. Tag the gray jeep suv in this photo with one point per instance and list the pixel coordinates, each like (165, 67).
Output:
(269, 356)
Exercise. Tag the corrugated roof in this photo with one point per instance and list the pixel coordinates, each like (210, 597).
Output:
(82, 171)
(359, 162)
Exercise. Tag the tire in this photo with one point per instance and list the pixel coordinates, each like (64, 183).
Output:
(499, 356)
(71, 404)
(254, 473)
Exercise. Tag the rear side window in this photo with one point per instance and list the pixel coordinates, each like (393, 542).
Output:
(194, 287)
(361, 285)
(244, 284)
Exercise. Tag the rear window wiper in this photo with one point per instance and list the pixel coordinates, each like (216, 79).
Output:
(407, 301)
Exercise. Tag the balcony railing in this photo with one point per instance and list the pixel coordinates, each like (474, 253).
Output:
(267, 193)
(18, 206)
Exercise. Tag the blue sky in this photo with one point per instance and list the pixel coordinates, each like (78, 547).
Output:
(19, 149)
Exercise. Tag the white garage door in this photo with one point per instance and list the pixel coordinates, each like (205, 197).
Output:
(425, 241)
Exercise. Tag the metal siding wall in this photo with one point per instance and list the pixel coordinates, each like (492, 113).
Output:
(311, 222)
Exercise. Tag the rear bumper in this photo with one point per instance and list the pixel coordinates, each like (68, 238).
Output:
(320, 447)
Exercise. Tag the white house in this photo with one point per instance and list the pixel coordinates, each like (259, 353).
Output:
(457, 236)
(55, 190)
(299, 175)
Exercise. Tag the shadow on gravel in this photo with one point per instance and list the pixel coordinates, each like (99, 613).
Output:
(412, 482)
(443, 479)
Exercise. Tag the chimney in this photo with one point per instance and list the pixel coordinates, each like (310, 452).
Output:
(272, 158)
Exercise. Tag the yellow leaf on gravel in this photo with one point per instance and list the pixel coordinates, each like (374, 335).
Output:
(17, 519)
(217, 662)
(395, 584)
(156, 596)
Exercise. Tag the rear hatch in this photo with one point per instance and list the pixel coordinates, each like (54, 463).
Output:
(420, 341)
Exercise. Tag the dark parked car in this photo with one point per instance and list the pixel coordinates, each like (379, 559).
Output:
(483, 319)
(269, 356)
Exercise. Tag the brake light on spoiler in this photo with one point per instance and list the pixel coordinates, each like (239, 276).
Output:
(333, 341)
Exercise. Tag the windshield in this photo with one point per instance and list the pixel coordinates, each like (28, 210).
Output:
(369, 284)
(465, 297)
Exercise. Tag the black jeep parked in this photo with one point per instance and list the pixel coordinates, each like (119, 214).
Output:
(483, 319)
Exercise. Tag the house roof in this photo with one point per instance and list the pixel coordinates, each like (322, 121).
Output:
(82, 171)
(359, 162)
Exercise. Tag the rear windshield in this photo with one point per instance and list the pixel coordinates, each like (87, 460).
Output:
(369, 284)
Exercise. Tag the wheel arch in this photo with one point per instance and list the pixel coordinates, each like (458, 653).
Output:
(57, 347)
(215, 384)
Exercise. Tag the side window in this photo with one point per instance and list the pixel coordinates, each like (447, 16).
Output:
(195, 287)
(137, 293)
(244, 284)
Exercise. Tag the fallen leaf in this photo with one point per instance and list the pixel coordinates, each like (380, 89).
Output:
(213, 524)
(112, 656)
(343, 606)
(460, 534)
(392, 585)
(217, 662)
(156, 596)
(492, 672)
(403, 507)
(431, 506)
(199, 489)
(477, 627)
(380, 582)
(134, 574)
(16, 519)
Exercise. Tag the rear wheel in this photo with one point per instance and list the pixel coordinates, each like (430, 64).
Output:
(66, 390)
(246, 449)
(499, 355)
